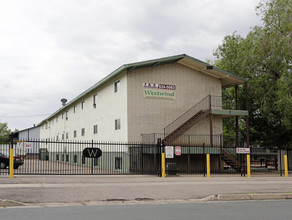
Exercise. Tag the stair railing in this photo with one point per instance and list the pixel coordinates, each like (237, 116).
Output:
(204, 104)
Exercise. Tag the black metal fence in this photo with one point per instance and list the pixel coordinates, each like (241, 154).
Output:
(66, 158)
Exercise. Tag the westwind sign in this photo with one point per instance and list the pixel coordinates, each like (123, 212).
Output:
(159, 91)
(92, 152)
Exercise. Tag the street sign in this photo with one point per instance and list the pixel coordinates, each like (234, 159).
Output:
(178, 151)
(169, 152)
(243, 150)
(92, 152)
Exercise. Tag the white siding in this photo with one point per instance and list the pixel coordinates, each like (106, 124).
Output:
(109, 106)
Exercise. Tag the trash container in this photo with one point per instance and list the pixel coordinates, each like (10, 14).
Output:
(170, 168)
(44, 154)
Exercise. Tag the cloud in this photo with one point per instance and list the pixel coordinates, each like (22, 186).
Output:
(52, 49)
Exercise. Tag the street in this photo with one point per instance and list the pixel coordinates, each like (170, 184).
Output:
(85, 189)
(268, 210)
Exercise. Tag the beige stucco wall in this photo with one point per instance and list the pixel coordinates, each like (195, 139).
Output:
(146, 115)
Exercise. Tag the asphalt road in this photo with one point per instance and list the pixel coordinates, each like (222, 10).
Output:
(83, 189)
(267, 210)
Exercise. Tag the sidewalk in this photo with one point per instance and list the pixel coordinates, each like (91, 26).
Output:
(86, 190)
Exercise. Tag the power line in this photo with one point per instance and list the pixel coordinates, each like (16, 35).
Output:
(23, 116)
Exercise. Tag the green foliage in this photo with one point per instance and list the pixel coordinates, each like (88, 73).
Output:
(263, 56)
(4, 131)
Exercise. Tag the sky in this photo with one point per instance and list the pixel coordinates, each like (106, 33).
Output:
(53, 49)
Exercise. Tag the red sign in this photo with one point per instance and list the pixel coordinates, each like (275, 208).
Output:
(178, 150)
(159, 86)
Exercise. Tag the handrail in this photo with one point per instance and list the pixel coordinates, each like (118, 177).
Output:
(204, 104)
(207, 103)
(233, 159)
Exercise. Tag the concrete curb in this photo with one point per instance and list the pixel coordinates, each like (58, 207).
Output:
(231, 197)
(234, 197)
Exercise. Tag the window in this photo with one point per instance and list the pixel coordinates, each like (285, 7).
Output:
(117, 86)
(83, 160)
(95, 162)
(118, 163)
(67, 135)
(67, 158)
(57, 157)
(83, 132)
(75, 133)
(95, 129)
(62, 157)
(117, 124)
(57, 138)
(75, 158)
(82, 105)
(94, 100)
(66, 115)
(74, 109)
(63, 137)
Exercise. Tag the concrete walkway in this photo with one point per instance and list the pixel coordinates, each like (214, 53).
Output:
(93, 190)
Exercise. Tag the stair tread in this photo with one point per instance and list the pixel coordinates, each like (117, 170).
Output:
(185, 126)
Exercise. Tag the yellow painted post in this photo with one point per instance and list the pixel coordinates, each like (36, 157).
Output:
(208, 165)
(286, 165)
(11, 161)
(248, 164)
(163, 165)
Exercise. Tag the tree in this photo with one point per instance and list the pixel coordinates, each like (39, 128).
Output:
(264, 56)
(4, 131)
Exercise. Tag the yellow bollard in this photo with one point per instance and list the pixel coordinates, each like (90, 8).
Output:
(286, 165)
(11, 161)
(163, 165)
(248, 164)
(208, 165)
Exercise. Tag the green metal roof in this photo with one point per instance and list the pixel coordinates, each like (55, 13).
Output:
(182, 59)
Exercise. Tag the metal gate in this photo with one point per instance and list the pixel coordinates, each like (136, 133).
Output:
(66, 158)
(189, 160)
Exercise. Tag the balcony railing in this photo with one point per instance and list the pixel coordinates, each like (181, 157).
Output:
(206, 104)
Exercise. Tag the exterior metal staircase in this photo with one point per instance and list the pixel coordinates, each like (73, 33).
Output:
(191, 117)
(230, 160)
(187, 120)
(185, 126)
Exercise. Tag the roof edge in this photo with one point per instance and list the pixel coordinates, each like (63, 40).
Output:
(130, 66)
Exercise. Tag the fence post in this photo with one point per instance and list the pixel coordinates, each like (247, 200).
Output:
(92, 159)
(142, 163)
(280, 162)
(286, 165)
(204, 159)
(208, 164)
(248, 164)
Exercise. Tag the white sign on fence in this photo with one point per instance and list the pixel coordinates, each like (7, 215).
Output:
(27, 145)
(169, 152)
(243, 150)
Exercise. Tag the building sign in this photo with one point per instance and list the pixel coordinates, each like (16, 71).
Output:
(159, 91)
(92, 152)
(243, 150)
(169, 152)
(178, 151)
